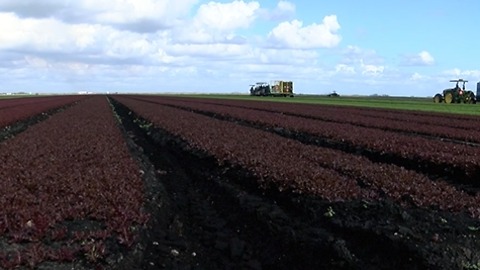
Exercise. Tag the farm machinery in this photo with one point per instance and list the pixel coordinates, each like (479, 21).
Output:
(276, 88)
(478, 90)
(457, 94)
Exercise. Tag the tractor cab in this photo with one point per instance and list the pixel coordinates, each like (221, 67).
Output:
(457, 87)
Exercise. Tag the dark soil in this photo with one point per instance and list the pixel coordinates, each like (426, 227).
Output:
(206, 216)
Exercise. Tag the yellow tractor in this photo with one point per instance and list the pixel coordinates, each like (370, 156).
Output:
(456, 95)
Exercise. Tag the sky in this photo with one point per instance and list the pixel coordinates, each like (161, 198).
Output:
(369, 47)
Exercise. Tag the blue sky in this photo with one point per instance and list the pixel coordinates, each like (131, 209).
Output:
(397, 48)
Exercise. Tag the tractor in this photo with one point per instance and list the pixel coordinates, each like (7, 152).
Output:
(260, 89)
(333, 94)
(456, 95)
(275, 89)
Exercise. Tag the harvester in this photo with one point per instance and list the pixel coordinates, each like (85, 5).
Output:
(276, 88)
(456, 95)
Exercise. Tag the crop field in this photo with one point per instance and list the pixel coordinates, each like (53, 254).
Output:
(403, 103)
(182, 182)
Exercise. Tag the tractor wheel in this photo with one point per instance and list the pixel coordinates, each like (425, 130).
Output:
(437, 98)
(448, 97)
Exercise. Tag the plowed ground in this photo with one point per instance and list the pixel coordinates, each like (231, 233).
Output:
(207, 216)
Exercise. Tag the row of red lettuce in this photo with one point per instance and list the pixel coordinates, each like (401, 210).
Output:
(17, 109)
(69, 189)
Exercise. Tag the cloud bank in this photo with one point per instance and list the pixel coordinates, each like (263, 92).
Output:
(186, 45)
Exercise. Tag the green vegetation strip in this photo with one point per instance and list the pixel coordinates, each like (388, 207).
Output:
(399, 103)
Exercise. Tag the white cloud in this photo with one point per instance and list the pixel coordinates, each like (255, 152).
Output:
(217, 22)
(285, 7)
(129, 11)
(372, 70)
(89, 43)
(456, 73)
(134, 15)
(167, 44)
(31, 34)
(426, 58)
(294, 35)
(226, 17)
(212, 51)
(356, 55)
(36, 62)
(42, 66)
(366, 61)
(417, 77)
(33, 9)
(345, 69)
(423, 58)
(284, 10)
(285, 57)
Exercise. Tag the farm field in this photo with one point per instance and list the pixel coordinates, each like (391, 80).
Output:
(402, 103)
(182, 182)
